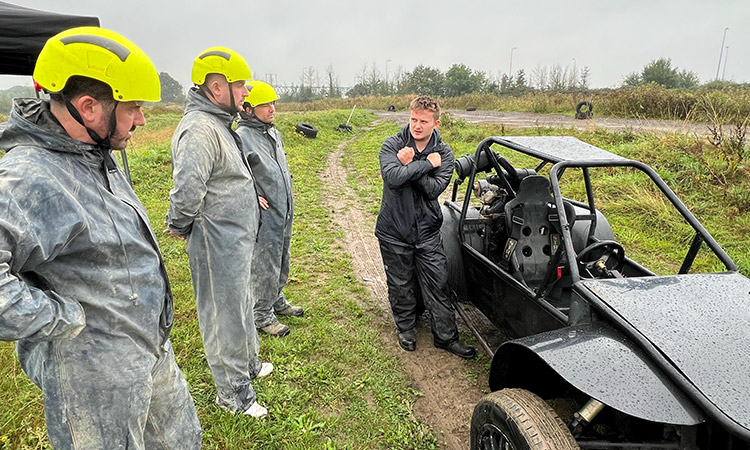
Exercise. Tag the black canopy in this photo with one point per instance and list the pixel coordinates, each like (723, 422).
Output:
(23, 32)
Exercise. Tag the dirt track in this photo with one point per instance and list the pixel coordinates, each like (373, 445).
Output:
(449, 392)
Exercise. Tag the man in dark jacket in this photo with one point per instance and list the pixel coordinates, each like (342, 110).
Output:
(83, 288)
(416, 166)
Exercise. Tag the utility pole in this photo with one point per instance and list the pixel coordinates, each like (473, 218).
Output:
(510, 66)
(387, 86)
(721, 52)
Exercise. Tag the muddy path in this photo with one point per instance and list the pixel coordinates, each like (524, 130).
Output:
(450, 391)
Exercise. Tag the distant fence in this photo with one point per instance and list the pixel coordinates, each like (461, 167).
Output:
(286, 90)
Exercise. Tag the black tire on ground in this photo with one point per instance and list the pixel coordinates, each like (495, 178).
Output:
(518, 419)
(391, 108)
(471, 108)
(306, 130)
(582, 113)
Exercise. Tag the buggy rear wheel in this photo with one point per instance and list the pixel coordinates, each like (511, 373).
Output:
(516, 419)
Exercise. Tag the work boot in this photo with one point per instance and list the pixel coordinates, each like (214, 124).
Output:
(290, 310)
(458, 348)
(276, 329)
(255, 410)
(407, 340)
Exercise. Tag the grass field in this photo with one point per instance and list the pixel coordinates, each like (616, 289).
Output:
(334, 387)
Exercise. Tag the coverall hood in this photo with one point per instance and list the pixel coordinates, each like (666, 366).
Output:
(27, 116)
(252, 121)
(196, 101)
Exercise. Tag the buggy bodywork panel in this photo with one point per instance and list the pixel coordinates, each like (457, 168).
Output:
(602, 363)
(700, 323)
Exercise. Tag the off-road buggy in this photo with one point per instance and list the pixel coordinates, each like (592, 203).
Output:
(604, 352)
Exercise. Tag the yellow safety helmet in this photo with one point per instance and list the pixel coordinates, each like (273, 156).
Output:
(100, 54)
(260, 93)
(220, 60)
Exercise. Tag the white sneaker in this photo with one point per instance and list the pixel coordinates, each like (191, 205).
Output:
(265, 369)
(257, 411)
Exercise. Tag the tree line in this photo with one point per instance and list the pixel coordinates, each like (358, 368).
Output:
(460, 80)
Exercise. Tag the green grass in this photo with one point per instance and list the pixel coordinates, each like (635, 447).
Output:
(334, 387)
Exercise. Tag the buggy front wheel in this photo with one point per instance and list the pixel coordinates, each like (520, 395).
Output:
(516, 419)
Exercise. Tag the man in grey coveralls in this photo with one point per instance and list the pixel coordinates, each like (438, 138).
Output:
(214, 206)
(262, 145)
(83, 288)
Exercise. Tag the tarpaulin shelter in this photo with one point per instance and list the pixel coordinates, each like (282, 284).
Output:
(23, 32)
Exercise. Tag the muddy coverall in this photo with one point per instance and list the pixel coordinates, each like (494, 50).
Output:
(84, 291)
(215, 205)
(264, 150)
(408, 230)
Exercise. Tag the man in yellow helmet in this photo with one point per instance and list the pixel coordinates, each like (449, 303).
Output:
(264, 150)
(214, 206)
(83, 288)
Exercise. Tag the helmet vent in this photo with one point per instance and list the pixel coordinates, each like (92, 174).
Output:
(118, 49)
(219, 53)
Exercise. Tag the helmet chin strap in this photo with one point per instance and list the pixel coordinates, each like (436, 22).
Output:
(103, 144)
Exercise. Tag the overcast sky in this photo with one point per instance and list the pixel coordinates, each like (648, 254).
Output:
(612, 37)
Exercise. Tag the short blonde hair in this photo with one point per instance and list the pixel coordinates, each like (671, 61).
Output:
(426, 104)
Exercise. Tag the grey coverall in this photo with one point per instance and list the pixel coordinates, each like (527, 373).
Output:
(84, 291)
(264, 150)
(214, 203)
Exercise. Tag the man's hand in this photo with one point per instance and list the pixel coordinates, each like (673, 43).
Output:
(435, 159)
(263, 202)
(406, 155)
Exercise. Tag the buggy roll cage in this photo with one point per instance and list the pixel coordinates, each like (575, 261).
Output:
(569, 158)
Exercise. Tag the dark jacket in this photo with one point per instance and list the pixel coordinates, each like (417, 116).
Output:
(410, 211)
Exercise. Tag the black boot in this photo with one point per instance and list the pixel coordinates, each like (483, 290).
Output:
(407, 340)
(458, 348)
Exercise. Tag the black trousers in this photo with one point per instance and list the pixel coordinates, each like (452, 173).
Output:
(422, 267)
